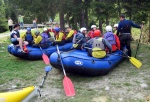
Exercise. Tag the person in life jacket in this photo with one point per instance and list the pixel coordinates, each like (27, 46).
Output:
(41, 40)
(112, 38)
(45, 30)
(124, 28)
(16, 40)
(28, 36)
(90, 34)
(97, 46)
(70, 34)
(59, 37)
(115, 28)
(79, 38)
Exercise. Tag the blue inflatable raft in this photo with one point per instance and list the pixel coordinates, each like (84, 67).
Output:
(78, 62)
(36, 53)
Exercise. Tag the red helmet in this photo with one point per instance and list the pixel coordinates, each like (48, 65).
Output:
(97, 33)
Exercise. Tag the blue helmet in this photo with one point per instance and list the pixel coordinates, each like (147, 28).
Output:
(28, 29)
(57, 29)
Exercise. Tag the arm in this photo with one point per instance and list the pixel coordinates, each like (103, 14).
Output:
(70, 34)
(34, 36)
(38, 40)
(117, 42)
(134, 25)
(15, 36)
(107, 44)
(88, 43)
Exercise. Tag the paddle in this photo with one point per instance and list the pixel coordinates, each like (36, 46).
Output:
(47, 69)
(138, 44)
(67, 83)
(45, 58)
(133, 60)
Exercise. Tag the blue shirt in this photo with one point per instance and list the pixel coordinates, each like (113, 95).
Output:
(125, 26)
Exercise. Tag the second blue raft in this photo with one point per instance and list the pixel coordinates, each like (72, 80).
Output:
(78, 62)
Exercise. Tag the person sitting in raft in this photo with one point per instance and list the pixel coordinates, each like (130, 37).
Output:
(41, 40)
(112, 38)
(70, 34)
(97, 45)
(90, 34)
(79, 38)
(115, 28)
(16, 40)
(45, 30)
(28, 36)
(59, 37)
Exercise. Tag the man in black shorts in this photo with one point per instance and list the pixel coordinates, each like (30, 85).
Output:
(15, 38)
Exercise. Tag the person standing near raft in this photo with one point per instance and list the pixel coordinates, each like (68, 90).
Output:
(124, 28)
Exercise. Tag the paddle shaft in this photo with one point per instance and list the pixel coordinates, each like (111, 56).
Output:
(44, 80)
(61, 60)
(138, 43)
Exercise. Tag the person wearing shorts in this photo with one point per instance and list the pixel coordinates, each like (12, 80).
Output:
(15, 38)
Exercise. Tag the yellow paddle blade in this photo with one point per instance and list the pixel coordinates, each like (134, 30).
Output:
(75, 45)
(135, 62)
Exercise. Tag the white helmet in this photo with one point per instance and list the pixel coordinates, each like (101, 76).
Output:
(82, 29)
(45, 29)
(93, 26)
(108, 28)
(116, 25)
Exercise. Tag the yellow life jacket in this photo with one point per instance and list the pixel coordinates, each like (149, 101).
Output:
(98, 48)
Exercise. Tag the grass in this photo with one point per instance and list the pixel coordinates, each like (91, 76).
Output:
(5, 32)
(124, 81)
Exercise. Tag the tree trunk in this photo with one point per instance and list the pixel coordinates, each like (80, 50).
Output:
(149, 29)
(107, 21)
(62, 21)
(67, 18)
(100, 27)
(86, 18)
(82, 23)
(119, 8)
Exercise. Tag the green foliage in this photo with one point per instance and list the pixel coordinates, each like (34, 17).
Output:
(3, 21)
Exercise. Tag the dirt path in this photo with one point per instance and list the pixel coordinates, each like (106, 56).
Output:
(4, 35)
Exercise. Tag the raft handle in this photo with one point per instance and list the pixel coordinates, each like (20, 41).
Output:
(93, 61)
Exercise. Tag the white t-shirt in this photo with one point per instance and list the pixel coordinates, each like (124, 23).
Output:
(10, 22)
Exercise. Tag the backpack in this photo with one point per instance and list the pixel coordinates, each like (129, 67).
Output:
(98, 48)
(44, 38)
(110, 37)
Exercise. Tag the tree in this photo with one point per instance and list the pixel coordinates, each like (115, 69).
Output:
(3, 21)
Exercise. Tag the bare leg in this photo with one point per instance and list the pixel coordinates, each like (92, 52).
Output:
(20, 43)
